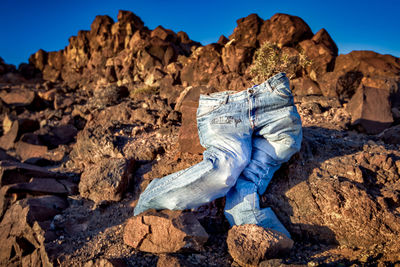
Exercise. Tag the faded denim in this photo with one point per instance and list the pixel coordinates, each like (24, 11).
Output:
(247, 136)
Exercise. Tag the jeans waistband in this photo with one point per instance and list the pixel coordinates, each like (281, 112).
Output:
(267, 86)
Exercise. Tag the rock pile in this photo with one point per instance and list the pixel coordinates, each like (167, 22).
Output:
(86, 128)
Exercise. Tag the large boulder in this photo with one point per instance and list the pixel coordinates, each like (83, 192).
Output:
(370, 107)
(284, 30)
(351, 68)
(322, 51)
(246, 31)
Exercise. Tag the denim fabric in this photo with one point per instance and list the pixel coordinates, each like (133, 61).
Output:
(247, 136)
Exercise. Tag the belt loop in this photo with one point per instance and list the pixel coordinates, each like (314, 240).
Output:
(226, 99)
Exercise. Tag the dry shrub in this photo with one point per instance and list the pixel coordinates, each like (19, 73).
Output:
(270, 59)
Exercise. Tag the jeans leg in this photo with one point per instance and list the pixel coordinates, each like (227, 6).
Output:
(243, 202)
(197, 185)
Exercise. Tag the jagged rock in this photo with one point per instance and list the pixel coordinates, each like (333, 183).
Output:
(97, 142)
(39, 59)
(322, 51)
(15, 129)
(236, 58)
(107, 180)
(347, 198)
(222, 40)
(18, 97)
(250, 244)
(171, 231)
(15, 172)
(304, 86)
(351, 68)
(59, 135)
(109, 95)
(100, 32)
(188, 135)
(370, 106)
(284, 30)
(39, 186)
(391, 135)
(203, 63)
(245, 33)
(165, 260)
(28, 151)
(25, 229)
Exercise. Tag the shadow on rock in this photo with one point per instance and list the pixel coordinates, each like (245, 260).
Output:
(341, 188)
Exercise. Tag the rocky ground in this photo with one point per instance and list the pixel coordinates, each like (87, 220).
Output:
(85, 129)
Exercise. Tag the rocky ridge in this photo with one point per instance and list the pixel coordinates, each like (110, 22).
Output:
(86, 128)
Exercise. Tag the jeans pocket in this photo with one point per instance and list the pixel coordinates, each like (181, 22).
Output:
(209, 104)
(280, 86)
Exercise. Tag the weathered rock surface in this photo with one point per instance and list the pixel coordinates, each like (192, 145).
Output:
(25, 229)
(165, 260)
(165, 232)
(187, 105)
(15, 172)
(106, 180)
(370, 106)
(250, 244)
(347, 194)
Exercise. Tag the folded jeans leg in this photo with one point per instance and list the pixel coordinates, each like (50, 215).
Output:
(243, 201)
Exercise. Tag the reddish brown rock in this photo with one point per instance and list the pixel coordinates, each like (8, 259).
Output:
(15, 172)
(165, 260)
(284, 30)
(171, 231)
(39, 59)
(106, 263)
(24, 230)
(187, 105)
(18, 97)
(322, 51)
(250, 244)
(39, 186)
(305, 86)
(370, 107)
(107, 180)
(222, 40)
(236, 58)
(351, 68)
(204, 63)
(348, 199)
(28, 151)
(391, 135)
(16, 129)
(95, 143)
(245, 33)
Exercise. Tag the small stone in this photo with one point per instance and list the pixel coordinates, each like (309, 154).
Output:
(250, 244)
(165, 232)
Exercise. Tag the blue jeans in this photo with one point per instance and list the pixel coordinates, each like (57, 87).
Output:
(247, 136)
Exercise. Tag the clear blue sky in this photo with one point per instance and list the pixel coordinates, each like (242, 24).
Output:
(28, 25)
